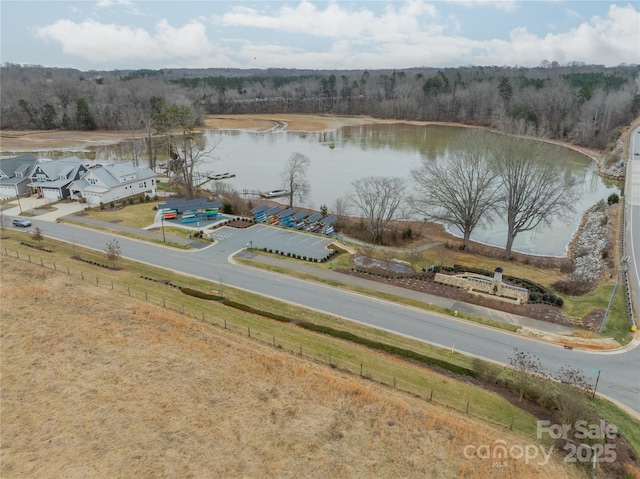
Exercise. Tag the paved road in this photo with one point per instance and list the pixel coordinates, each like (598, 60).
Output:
(619, 379)
(632, 208)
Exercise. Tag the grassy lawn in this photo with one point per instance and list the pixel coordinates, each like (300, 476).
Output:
(137, 215)
(379, 367)
(128, 280)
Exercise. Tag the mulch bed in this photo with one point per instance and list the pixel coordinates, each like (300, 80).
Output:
(423, 282)
(239, 224)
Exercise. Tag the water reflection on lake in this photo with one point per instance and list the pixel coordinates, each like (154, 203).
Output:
(342, 156)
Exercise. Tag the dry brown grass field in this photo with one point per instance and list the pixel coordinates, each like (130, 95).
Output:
(102, 385)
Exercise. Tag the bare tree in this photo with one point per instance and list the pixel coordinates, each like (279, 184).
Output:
(294, 177)
(131, 120)
(379, 199)
(186, 149)
(341, 207)
(37, 234)
(527, 368)
(573, 377)
(113, 251)
(459, 189)
(535, 186)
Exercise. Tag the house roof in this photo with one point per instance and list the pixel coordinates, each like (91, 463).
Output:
(19, 164)
(114, 174)
(59, 172)
(111, 176)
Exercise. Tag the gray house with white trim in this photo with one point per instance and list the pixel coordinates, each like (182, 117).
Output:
(104, 184)
(51, 178)
(14, 175)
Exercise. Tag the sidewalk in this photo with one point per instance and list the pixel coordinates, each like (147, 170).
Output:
(480, 311)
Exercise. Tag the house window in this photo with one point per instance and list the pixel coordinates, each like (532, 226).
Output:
(41, 177)
(92, 181)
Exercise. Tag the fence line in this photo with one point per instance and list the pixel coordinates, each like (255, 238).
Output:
(342, 364)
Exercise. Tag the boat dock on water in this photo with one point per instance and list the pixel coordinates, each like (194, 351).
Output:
(221, 176)
(274, 194)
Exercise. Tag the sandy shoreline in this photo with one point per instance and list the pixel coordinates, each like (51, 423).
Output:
(37, 140)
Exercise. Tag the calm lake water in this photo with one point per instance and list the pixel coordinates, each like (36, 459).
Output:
(340, 157)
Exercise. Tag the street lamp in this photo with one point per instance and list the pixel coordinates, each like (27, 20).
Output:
(597, 378)
(18, 198)
(162, 219)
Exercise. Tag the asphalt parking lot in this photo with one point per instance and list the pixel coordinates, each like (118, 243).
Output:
(271, 237)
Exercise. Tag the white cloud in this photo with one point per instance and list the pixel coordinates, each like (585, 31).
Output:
(608, 41)
(103, 43)
(127, 4)
(504, 5)
(402, 35)
(334, 21)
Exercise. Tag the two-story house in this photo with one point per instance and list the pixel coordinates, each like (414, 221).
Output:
(14, 175)
(51, 178)
(104, 184)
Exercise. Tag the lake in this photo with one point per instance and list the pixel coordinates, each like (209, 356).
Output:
(342, 156)
(339, 157)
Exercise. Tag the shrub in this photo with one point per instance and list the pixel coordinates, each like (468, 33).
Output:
(559, 302)
(131, 200)
(533, 297)
(613, 199)
(101, 205)
(249, 309)
(199, 294)
(395, 350)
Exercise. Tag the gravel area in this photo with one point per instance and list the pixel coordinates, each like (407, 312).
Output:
(590, 246)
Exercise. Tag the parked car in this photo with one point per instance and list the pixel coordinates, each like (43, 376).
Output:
(21, 222)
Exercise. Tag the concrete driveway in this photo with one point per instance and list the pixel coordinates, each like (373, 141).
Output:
(29, 207)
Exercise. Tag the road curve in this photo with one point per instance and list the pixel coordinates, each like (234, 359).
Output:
(619, 378)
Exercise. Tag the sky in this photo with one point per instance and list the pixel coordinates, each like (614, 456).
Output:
(305, 34)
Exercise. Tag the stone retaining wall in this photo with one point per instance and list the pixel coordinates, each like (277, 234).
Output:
(477, 283)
